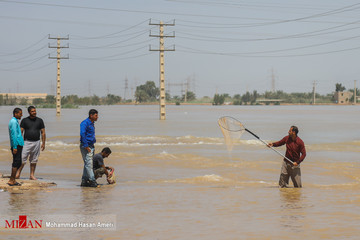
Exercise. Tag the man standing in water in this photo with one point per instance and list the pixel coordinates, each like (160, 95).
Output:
(295, 151)
(87, 141)
(17, 143)
(32, 127)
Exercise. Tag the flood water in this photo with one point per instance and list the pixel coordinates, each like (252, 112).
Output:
(177, 180)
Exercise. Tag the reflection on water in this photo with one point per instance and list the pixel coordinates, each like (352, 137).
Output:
(94, 201)
(292, 204)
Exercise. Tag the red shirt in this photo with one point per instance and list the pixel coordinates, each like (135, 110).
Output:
(295, 149)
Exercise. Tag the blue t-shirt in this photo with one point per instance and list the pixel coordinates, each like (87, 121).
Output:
(16, 138)
(87, 133)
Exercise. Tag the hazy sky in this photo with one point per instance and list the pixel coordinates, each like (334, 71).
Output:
(223, 46)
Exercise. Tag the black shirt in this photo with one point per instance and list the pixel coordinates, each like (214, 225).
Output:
(98, 161)
(32, 127)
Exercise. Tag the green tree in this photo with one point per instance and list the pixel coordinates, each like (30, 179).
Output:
(112, 99)
(219, 99)
(339, 87)
(37, 101)
(50, 99)
(147, 92)
(190, 96)
(70, 99)
(246, 98)
(95, 100)
(253, 97)
(23, 101)
(237, 97)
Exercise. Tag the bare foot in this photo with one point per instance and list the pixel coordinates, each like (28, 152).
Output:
(33, 178)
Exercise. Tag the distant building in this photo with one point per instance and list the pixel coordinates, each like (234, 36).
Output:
(343, 97)
(29, 97)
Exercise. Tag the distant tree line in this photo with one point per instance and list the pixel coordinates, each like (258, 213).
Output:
(252, 98)
(148, 92)
(68, 101)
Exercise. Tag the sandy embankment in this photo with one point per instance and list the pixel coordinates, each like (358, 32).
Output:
(25, 184)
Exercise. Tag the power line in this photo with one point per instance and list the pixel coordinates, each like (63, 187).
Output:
(111, 35)
(291, 49)
(47, 20)
(189, 50)
(233, 4)
(113, 45)
(21, 67)
(327, 13)
(292, 36)
(30, 70)
(109, 46)
(24, 50)
(113, 59)
(21, 59)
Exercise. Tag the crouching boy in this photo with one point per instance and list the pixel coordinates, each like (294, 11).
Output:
(99, 166)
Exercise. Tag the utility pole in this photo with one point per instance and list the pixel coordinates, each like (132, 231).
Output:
(314, 93)
(272, 80)
(354, 92)
(162, 49)
(58, 83)
(187, 86)
(126, 88)
(107, 88)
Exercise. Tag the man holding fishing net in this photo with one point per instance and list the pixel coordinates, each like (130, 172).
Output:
(295, 151)
(295, 148)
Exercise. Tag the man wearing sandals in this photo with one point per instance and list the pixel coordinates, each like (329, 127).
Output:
(17, 143)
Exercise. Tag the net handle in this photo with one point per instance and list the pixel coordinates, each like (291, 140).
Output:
(256, 136)
(268, 145)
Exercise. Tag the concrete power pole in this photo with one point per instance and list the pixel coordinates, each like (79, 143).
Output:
(126, 89)
(162, 49)
(58, 83)
(314, 93)
(354, 92)
(272, 80)
(187, 88)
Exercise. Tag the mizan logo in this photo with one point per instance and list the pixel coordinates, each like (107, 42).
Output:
(23, 223)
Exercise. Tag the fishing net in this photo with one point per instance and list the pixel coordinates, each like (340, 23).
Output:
(232, 130)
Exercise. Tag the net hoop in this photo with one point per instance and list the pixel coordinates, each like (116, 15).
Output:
(232, 130)
(231, 124)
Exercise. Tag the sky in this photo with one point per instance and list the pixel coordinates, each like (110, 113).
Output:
(221, 46)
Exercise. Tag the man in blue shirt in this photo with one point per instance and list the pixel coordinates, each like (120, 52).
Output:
(87, 141)
(17, 143)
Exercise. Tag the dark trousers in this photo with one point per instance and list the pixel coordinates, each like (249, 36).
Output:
(288, 170)
(17, 157)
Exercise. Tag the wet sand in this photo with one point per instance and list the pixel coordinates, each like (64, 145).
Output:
(25, 184)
